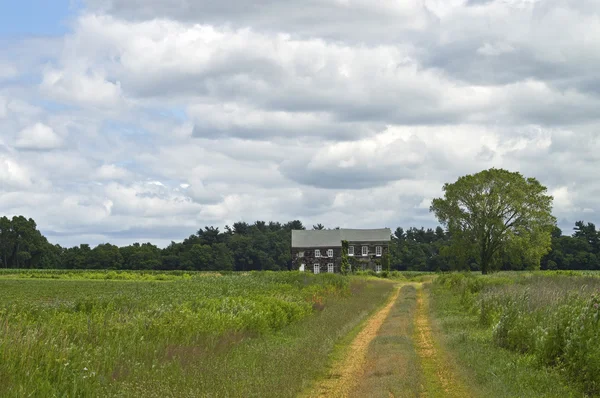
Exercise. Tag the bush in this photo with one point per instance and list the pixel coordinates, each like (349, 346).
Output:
(552, 316)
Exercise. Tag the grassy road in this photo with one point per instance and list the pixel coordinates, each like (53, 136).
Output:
(394, 355)
(453, 338)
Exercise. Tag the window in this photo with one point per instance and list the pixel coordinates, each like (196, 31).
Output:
(316, 269)
(378, 251)
(300, 254)
(330, 268)
(317, 253)
(301, 269)
(351, 250)
(330, 253)
(365, 250)
(378, 268)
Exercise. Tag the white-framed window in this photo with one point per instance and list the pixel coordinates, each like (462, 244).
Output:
(330, 268)
(317, 253)
(378, 268)
(316, 268)
(301, 269)
(351, 250)
(330, 253)
(365, 250)
(300, 254)
(378, 251)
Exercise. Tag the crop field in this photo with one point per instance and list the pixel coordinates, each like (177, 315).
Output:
(523, 333)
(173, 334)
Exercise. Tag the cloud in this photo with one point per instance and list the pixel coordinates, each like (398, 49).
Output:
(150, 119)
(111, 172)
(13, 175)
(81, 88)
(38, 136)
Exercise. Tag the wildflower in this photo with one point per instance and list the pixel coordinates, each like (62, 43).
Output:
(85, 368)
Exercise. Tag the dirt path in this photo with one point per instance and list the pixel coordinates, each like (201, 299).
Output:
(345, 375)
(438, 378)
(431, 373)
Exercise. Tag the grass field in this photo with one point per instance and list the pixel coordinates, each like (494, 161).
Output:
(256, 334)
(527, 334)
(278, 334)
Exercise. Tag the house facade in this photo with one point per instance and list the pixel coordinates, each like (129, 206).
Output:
(320, 251)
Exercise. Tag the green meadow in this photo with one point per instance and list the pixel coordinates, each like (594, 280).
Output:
(274, 334)
(525, 334)
(173, 334)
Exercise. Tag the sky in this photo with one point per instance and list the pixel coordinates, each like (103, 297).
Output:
(144, 120)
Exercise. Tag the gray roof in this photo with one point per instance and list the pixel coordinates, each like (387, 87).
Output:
(334, 237)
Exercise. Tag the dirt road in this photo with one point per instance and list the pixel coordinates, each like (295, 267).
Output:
(345, 374)
(395, 355)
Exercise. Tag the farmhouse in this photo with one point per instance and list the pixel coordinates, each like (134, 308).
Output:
(321, 250)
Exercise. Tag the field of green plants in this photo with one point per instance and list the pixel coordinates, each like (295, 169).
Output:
(535, 332)
(173, 334)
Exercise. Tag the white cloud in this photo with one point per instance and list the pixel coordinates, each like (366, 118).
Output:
(562, 198)
(13, 175)
(111, 172)
(38, 136)
(169, 116)
(495, 49)
(81, 88)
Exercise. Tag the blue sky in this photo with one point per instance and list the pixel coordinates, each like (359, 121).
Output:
(36, 17)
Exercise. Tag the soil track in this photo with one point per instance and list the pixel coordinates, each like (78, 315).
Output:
(436, 375)
(345, 374)
(439, 380)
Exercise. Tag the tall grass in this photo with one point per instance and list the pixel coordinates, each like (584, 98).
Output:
(82, 274)
(553, 318)
(92, 338)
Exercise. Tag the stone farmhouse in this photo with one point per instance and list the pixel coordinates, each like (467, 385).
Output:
(321, 250)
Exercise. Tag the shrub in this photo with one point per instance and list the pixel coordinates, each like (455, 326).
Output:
(552, 316)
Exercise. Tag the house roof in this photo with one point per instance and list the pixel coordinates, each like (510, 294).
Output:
(334, 237)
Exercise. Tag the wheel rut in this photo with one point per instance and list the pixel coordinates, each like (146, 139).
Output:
(344, 376)
(419, 366)
(439, 379)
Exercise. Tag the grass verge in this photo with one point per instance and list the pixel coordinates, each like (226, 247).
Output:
(490, 370)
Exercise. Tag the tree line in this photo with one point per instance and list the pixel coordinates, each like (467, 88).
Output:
(266, 246)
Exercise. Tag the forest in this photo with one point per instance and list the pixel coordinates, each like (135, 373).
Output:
(266, 246)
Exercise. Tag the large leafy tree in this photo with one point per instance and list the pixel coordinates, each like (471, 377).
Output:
(496, 214)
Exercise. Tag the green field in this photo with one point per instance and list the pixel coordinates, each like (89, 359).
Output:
(525, 334)
(256, 334)
(274, 334)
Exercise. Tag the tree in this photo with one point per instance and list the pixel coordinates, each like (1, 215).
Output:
(6, 240)
(105, 256)
(344, 265)
(296, 224)
(495, 213)
(319, 227)
(588, 233)
(385, 261)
